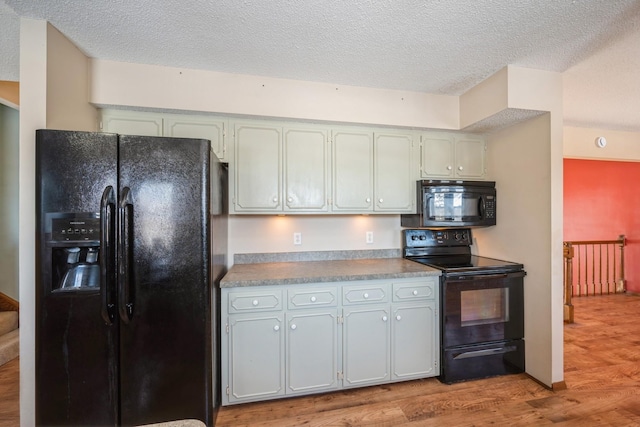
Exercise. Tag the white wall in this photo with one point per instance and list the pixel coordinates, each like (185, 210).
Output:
(9, 122)
(148, 86)
(521, 151)
(49, 97)
(579, 143)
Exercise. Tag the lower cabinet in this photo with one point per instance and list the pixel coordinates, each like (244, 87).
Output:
(290, 340)
(256, 368)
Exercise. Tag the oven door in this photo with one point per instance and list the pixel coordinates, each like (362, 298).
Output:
(482, 308)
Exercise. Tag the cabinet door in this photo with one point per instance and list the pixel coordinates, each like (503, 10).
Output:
(312, 351)
(366, 345)
(393, 178)
(352, 171)
(257, 186)
(256, 357)
(198, 127)
(414, 343)
(132, 123)
(437, 158)
(470, 154)
(306, 170)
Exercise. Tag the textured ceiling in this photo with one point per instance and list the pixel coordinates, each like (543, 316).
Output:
(434, 46)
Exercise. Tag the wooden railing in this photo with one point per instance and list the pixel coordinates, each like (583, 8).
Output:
(592, 267)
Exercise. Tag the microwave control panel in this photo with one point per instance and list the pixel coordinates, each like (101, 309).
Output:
(490, 207)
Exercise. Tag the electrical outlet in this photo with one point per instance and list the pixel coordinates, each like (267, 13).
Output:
(369, 238)
(297, 238)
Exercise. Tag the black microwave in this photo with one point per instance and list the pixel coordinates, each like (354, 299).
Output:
(450, 203)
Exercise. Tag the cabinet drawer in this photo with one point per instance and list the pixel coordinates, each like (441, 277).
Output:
(365, 294)
(423, 290)
(307, 298)
(243, 302)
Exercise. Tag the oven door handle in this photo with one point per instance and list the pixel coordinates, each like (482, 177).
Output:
(488, 276)
(486, 352)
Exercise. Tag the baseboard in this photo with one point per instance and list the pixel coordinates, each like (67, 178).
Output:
(8, 304)
(560, 385)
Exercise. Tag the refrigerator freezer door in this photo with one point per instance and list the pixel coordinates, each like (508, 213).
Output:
(165, 353)
(75, 353)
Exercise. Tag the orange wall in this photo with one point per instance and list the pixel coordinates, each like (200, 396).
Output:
(602, 201)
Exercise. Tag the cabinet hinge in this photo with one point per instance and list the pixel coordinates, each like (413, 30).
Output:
(340, 319)
(340, 376)
(228, 391)
(227, 328)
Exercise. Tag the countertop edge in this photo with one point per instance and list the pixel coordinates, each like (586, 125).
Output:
(308, 272)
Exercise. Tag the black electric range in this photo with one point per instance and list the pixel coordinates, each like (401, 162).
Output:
(481, 305)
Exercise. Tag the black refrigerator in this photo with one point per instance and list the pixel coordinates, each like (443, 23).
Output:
(131, 244)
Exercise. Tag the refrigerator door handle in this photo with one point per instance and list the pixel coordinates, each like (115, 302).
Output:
(107, 255)
(125, 297)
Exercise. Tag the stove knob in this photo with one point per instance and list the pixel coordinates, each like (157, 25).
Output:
(414, 237)
(423, 237)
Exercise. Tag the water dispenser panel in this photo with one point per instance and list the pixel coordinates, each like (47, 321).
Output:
(75, 229)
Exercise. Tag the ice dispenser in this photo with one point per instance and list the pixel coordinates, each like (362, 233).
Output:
(75, 251)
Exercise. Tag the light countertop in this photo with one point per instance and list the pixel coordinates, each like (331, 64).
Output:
(289, 273)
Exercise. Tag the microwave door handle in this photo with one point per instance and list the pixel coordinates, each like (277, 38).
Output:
(481, 208)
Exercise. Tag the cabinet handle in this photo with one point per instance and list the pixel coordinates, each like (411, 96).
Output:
(415, 292)
(449, 168)
(313, 299)
(276, 328)
(398, 317)
(380, 200)
(255, 302)
(460, 168)
(368, 200)
(289, 199)
(384, 318)
(365, 296)
(275, 200)
(293, 327)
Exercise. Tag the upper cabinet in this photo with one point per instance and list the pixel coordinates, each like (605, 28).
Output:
(279, 167)
(176, 125)
(394, 177)
(257, 171)
(352, 171)
(198, 127)
(306, 169)
(314, 169)
(445, 155)
(131, 123)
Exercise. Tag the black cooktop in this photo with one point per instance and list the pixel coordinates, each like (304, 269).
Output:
(467, 263)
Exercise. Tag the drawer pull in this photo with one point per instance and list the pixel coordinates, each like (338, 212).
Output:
(313, 299)
(365, 296)
(415, 292)
(276, 328)
(255, 302)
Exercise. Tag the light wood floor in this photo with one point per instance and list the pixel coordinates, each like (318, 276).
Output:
(602, 373)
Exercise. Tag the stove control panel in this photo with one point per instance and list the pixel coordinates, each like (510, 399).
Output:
(422, 237)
